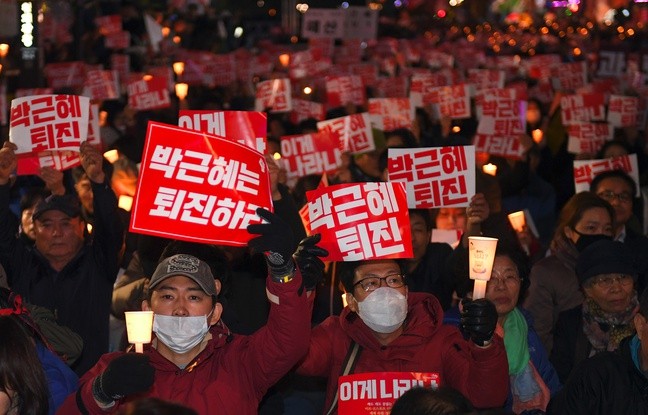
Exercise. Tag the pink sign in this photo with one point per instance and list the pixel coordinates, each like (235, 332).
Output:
(309, 154)
(48, 122)
(361, 221)
(198, 188)
(274, 95)
(352, 131)
(374, 393)
(148, 94)
(434, 177)
(245, 127)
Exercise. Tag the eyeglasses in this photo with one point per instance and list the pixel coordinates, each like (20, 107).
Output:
(371, 283)
(509, 280)
(607, 281)
(610, 196)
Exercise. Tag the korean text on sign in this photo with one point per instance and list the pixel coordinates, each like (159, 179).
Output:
(434, 177)
(48, 122)
(199, 188)
(361, 221)
(309, 154)
(353, 132)
(586, 170)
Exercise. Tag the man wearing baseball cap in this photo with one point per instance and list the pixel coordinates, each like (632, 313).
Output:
(194, 360)
(63, 272)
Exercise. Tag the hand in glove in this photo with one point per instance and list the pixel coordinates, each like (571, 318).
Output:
(128, 374)
(276, 241)
(308, 262)
(478, 320)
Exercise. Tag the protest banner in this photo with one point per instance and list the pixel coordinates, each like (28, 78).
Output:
(48, 122)
(588, 138)
(245, 127)
(582, 108)
(65, 74)
(586, 170)
(309, 154)
(304, 109)
(391, 113)
(274, 95)
(59, 160)
(507, 146)
(434, 177)
(121, 63)
(342, 90)
(611, 63)
(422, 85)
(361, 221)
(569, 76)
(118, 41)
(360, 22)
(323, 23)
(623, 111)
(148, 94)
(396, 87)
(450, 101)
(486, 78)
(352, 131)
(374, 393)
(199, 188)
(102, 85)
(25, 92)
(109, 24)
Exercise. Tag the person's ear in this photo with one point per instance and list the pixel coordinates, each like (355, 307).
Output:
(146, 306)
(352, 303)
(219, 286)
(569, 233)
(216, 315)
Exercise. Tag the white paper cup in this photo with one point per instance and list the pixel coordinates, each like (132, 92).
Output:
(481, 254)
(517, 220)
(139, 326)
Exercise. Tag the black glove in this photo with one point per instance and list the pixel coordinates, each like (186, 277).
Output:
(306, 257)
(478, 320)
(276, 242)
(128, 374)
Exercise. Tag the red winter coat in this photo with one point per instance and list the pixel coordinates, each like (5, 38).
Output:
(231, 375)
(424, 346)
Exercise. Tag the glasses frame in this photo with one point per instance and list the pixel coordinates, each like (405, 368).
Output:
(623, 279)
(380, 280)
(610, 196)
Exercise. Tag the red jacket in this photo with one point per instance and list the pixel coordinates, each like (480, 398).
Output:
(424, 346)
(231, 375)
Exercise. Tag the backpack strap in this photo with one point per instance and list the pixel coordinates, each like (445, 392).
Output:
(347, 367)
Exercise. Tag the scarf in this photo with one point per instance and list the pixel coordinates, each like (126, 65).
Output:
(606, 330)
(527, 387)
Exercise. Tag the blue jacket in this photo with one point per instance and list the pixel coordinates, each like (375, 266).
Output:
(537, 352)
(61, 380)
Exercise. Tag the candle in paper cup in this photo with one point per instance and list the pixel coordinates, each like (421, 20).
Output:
(481, 253)
(517, 220)
(490, 169)
(139, 326)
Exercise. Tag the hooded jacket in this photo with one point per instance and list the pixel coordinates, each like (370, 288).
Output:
(480, 374)
(232, 373)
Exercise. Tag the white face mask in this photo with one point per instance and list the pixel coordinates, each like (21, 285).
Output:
(384, 310)
(180, 334)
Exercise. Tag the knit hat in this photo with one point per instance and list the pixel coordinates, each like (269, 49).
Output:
(604, 257)
(68, 204)
(188, 266)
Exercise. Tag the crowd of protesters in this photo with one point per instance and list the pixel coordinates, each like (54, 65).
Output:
(269, 328)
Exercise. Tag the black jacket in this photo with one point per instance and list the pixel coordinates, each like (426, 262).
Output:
(570, 344)
(80, 294)
(608, 383)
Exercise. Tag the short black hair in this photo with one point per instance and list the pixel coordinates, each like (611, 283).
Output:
(346, 271)
(613, 174)
(426, 401)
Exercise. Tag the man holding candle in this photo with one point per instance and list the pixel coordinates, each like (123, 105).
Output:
(385, 328)
(194, 359)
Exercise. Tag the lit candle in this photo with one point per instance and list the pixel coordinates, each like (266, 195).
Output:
(537, 135)
(481, 254)
(517, 220)
(139, 326)
(181, 91)
(490, 169)
(111, 156)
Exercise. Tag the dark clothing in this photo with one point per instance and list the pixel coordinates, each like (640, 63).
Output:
(80, 294)
(608, 383)
(570, 344)
(431, 275)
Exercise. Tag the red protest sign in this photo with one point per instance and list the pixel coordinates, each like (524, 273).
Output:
(220, 70)
(502, 117)
(588, 137)
(48, 122)
(486, 78)
(569, 76)
(586, 170)
(352, 131)
(391, 113)
(309, 154)
(118, 40)
(121, 64)
(65, 74)
(435, 177)
(148, 94)
(374, 393)
(102, 85)
(582, 108)
(109, 24)
(342, 90)
(60, 160)
(361, 221)
(25, 92)
(274, 94)
(245, 127)
(304, 109)
(303, 211)
(450, 101)
(395, 87)
(200, 188)
(623, 111)
(423, 83)
(496, 145)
